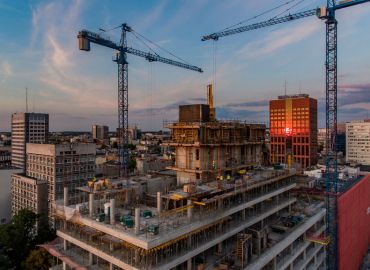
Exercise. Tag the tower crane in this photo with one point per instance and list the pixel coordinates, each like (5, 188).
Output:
(86, 37)
(326, 13)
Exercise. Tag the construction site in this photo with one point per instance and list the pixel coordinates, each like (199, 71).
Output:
(206, 149)
(226, 208)
(225, 211)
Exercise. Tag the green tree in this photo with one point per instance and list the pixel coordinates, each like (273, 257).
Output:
(18, 238)
(157, 150)
(38, 259)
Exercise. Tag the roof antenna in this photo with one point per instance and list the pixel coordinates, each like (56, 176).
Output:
(33, 102)
(285, 88)
(26, 100)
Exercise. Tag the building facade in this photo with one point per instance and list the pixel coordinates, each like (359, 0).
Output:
(206, 149)
(253, 223)
(341, 138)
(29, 193)
(27, 128)
(5, 193)
(100, 132)
(358, 142)
(5, 159)
(293, 130)
(61, 165)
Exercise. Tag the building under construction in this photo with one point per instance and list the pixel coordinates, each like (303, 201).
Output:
(252, 222)
(207, 149)
(248, 219)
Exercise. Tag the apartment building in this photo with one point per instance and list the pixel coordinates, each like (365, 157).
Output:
(61, 165)
(358, 142)
(27, 128)
(30, 193)
(100, 132)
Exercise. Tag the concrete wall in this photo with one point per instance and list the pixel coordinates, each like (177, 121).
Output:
(56, 149)
(5, 191)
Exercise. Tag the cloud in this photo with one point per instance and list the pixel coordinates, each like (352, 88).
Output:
(242, 114)
(258, 103)
(6, 71)
(150, 19)
(63, 82)
(279, 39)
(350, 94)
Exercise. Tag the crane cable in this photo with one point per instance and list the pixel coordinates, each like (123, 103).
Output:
(259, 15)
(281, 13)
(160, 47)
(214, 67)
(147, 45)
(141, 38)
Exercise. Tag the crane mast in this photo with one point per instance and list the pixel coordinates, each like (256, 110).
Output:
(85, 37)
(328, 14)
(331, 174)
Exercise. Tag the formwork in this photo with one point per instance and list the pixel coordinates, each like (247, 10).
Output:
(354, 225)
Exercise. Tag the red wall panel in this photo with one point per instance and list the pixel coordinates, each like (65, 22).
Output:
(354, 225)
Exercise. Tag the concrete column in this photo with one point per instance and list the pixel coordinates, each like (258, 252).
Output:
(128, 198)
(91, 258)
(315, 259)
(304, 255)
(64, 248)
(159, 202)
(111, 266)
(291, 266)
(91, 204)
(189, 266)
(137, 220)
(65, 196)
(190, 210)
(137, 256)
(274, 265)
(112, 211)
(219, 247)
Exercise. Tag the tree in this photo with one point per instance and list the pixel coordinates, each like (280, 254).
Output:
(157, 150)
(38, 259)
(18, 238)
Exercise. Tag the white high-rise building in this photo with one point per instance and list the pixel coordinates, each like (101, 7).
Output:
(27, 128)
(358, 142)
(61, 165)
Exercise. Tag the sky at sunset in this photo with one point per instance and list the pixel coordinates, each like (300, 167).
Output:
(39, 50)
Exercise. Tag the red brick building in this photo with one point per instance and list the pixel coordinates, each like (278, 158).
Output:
(293, 130)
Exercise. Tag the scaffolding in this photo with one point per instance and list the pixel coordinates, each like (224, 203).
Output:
(180, 210)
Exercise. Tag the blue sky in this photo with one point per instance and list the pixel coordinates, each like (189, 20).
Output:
(38, 50)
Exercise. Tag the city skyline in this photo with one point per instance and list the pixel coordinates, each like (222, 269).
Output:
(39, 51)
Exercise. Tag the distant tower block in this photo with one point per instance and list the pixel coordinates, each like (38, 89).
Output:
(293, 130)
